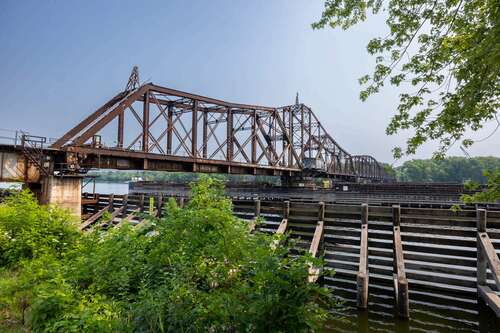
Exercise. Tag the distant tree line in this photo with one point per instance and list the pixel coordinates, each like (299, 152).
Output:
(451, 169)
(115, 176)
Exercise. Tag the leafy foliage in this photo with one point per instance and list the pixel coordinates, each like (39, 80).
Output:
(196, 269)
(490, 194)
(451, 169)
(28, 230)
(446, 56)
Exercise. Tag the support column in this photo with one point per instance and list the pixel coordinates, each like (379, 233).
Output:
(65, 192)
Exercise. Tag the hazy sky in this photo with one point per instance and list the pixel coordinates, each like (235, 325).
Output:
(60, 60)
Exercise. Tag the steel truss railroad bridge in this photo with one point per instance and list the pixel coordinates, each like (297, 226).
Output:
(158, 128)
(179, 131)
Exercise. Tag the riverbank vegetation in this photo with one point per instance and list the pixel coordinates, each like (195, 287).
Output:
(196, 269)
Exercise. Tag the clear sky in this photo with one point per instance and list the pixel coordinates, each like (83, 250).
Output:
(61, 59)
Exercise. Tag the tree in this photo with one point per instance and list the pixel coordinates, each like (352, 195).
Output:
(445, 54)
(451, 169)
(490, 194)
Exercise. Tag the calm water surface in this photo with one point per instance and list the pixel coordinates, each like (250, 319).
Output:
(104, 188)
(107, 188)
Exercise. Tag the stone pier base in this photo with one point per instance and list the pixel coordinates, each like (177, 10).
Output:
(65, 192)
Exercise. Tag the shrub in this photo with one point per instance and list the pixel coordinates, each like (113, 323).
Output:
(28, 229)
(196, 269)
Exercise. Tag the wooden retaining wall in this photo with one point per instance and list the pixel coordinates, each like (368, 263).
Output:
(438, 252)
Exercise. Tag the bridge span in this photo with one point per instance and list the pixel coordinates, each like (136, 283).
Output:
(150, 127)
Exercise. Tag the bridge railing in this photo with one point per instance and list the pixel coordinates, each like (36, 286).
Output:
(11, 137)
(14, 137)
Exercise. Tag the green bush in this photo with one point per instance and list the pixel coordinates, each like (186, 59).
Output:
(196, 269)
(28, 230)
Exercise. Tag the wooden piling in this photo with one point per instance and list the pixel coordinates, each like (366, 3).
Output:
(481, 257)
(253, 224)
(487, 257)
(257, 208)
(362, 277)
(159, 205)
(141, 202)
(111, 202)
(400, 281)
(284, 222)
(314, 272)
(286, 209)
(125, 203)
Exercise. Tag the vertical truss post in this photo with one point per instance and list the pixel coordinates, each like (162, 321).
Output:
(145, 123)
(194, 130)
(309, 133)
(283, 141)
(302, 131)
(254, 137)
(229, 138)
(170, 128)
(290, 135)
(273, 135)
(119, 137)
(205, 133)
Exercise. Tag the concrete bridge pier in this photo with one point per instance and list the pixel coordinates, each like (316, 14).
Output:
(65, 192)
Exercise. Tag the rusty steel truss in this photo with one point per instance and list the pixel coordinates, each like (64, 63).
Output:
(179, 131)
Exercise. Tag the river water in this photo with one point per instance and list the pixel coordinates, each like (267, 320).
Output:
(106, 188)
